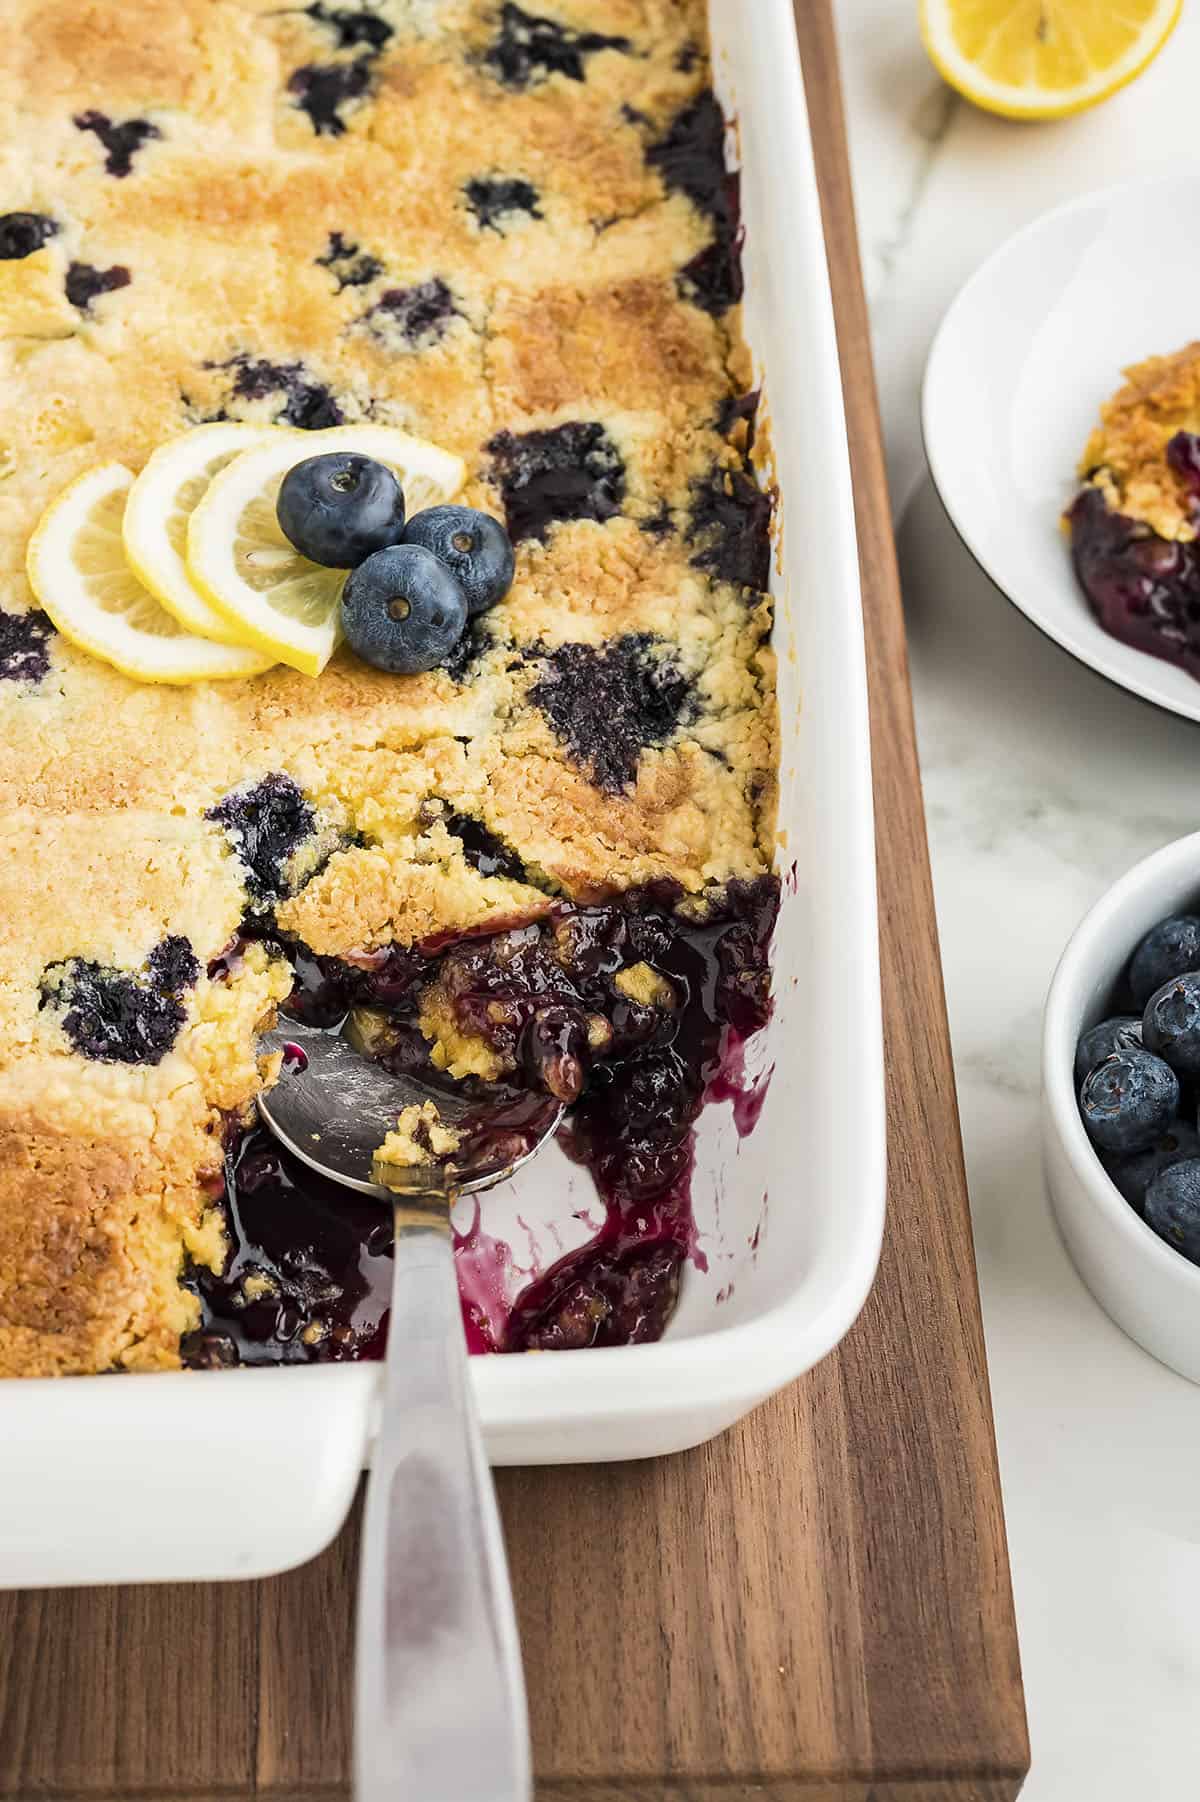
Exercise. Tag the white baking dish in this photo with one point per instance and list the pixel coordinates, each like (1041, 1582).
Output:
(237, 1474)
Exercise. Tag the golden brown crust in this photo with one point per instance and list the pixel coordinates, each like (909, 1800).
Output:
(261, 253)
(1126, 455)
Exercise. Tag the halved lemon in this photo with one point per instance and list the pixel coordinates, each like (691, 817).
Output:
(240, 560)
(77, 569)
(158, 509)
(1042, 59)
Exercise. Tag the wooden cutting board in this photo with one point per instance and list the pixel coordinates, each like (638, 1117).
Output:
(816, 1607)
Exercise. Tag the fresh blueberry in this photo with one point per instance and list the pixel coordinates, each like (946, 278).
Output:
(1101, 1040)
(1171, 1023)
(402, 610)
(1136, 1170)
(1168, 949)
(1173, 1207)
(340, 509)
(473, 545)
(1128, 1100)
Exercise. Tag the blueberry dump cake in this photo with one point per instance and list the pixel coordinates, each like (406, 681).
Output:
(530, 858)
(1133, 525)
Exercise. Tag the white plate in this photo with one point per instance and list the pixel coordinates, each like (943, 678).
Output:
(1031, 346)
(223, 1474)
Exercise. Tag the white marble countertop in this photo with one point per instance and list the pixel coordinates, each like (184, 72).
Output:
(1042, 785)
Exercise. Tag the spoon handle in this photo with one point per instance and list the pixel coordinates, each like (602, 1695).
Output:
(441, 1713)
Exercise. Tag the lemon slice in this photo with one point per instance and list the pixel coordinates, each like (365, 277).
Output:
(157, 512)
(242, 563)
(77, 569)
(1041, 59)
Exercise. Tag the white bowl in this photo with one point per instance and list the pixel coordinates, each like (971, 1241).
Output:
(1031, 345)
(1148, 1288)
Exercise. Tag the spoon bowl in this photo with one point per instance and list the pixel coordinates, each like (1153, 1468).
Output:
(332, 1107)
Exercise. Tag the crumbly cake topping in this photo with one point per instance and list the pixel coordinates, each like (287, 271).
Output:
(507, 230)
(1126, 455)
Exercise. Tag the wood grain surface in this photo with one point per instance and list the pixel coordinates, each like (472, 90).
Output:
(816, 1607)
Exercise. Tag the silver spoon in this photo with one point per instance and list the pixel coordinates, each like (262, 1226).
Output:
(440, 1711)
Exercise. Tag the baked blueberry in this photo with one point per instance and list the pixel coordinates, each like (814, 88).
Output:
(691, 158)
(529, 47)
(123, 1016)
(1136, 1170)
(729, 518)
(267, 823)
(23, 233)
(119, 141)
(349, 266)
(402, 610)
(473, 546)
(1173, 1207)
(1183, 455)
(351, 29)
(611, 702)
(483, 850)
(494, 198)
(570, 471)
(420, 315)
(1171, 1023)
(84, 283)
(1168, 949)
(1101, 1040)
(25, 646)
(1128, 1100)
(340, 508)
(322, 89)
(307, 403)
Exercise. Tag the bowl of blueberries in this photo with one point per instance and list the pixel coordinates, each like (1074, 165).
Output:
(1121, 1093)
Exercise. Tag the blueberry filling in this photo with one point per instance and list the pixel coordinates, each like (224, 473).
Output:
(25, 640)
(23, 233)
(494, 198)
(421, 314)
(266, 825)
(322, 89)
(84, 283)
(529, 47)
(736, 411)
(611, 702)
(351, 30)
(350, 267)
(307, 403)
(691, 160)
(571, 471)
(659, 524)
(730, 520)
(483, 850)
(123, 1016)
(1143, 589)
(120, 143)
(309, 1274)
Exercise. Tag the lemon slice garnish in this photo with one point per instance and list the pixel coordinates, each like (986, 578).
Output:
(77, 569)
(158, 509)
(1041, 59)
(241, 562)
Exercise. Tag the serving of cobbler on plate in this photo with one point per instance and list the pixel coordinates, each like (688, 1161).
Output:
(1133, 524)
(526, 841)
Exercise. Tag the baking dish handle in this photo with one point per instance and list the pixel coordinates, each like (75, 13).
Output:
(177, 1476)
